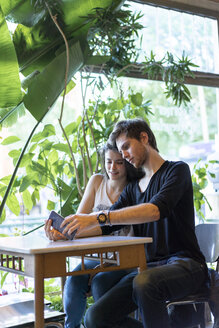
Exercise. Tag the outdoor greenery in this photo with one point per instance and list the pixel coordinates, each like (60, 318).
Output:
(51, 42)
(52, 292)
(51, 163)
(173, 73)
(200, 182)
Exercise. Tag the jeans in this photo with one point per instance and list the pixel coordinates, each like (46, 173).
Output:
(76, 288)
(164, 280)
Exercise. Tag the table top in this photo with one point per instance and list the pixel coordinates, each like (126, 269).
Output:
(34, 244)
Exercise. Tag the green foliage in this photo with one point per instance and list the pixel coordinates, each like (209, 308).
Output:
(113, 34)
(3, 276)
(200, 182)
(13, 179)
(52, 4)
(9, 116)
(173, 73)
(51, 48)
(96, 32)
(37, 42)
(10, 93)
(52, 292)
(49, 84)
(10, 140)
(51, 163)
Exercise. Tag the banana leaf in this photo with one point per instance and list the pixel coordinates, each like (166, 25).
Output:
(35, 46)
(9, 116)
(37, 39)
(48, 85)
(22, 12)
(10, 85)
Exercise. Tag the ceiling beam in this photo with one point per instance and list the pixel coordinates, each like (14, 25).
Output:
(207, 8)
(200, 78)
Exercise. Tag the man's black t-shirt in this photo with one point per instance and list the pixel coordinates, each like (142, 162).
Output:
(170, 188)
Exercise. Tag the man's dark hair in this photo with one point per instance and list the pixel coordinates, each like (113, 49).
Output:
(132, 129)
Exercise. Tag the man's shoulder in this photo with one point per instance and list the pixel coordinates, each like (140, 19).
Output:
(177, 164)
(179, 167)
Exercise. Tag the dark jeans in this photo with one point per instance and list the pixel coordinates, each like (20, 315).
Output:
(149, 290)
(76, 288)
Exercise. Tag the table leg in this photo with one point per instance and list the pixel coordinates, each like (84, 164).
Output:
(39, 292)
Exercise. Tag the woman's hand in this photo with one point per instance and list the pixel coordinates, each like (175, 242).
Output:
(52, 233)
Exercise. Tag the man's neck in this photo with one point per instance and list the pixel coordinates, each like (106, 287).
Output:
(150, 167)
(153, 163)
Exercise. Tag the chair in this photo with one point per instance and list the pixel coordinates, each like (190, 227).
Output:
(208, 239)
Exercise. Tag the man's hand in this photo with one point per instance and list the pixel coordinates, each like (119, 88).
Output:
(52, 233)
(79, 222)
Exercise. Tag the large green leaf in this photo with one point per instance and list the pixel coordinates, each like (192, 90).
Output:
(10, 85)
(48, 85)
(23, 12)
(13, 204)
(75, 11)
(27, 199)
(10, 140)
(36, 45)
(9, 116)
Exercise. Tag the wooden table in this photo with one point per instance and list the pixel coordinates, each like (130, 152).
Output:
(39, 258)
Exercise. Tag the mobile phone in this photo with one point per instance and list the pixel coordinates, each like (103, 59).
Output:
(57, 219)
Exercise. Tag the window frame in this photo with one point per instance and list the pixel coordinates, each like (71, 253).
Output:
(204, 8)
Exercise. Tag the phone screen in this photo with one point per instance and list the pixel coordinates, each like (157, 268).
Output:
(56, 222)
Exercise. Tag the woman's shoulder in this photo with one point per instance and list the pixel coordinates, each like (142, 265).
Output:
(96, 179)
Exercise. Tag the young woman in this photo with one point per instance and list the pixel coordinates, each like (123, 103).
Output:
(101, 192)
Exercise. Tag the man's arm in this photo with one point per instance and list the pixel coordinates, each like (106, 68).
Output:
(136, 214)
(160, 205)
(130, 215)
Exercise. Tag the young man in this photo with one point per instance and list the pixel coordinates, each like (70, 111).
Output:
(159, 205)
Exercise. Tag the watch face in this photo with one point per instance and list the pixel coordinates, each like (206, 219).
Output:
(102, 219)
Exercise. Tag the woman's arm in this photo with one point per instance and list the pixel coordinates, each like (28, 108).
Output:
(87, 203)
(85, 207)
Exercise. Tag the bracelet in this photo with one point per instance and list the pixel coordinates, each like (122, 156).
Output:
(108, 219)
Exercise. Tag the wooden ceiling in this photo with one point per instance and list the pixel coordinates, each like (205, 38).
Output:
(209, 8)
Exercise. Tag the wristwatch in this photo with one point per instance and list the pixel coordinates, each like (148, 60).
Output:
(103, 218)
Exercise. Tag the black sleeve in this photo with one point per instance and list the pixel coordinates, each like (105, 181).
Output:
(123, 201)
(177, 185)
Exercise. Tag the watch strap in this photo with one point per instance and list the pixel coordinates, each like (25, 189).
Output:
(108, 218)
